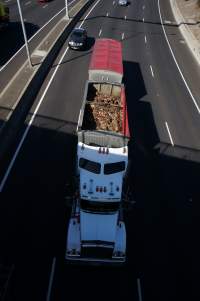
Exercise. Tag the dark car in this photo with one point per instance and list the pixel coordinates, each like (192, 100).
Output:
(123, 2)
(78, 38)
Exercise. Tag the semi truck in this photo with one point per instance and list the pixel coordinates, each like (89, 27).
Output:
(96, 231)
(4, 15)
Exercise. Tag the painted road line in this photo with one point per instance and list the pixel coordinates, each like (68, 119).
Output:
(122, 35)
(113, 2)
(27, 3)
(152, 73)
(125, 17)
(51, 279)
(143, 20)
(145, 39)
(89, 13)
(143, 7)
(107, 14)
(4, 66)
(35, 113)
(183, 78)
(100, 31)
(167, 22)
(139, 289)
(170, 136)
(45, 6)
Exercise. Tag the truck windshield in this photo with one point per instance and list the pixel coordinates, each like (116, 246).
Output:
(99, 207)
(111, 168)
(90, 165)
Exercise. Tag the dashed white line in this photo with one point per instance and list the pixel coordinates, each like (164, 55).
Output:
(143, 19)
(35, 113)
(107, 14)
(170, 136)
(183, 78)
(122, 35)
(139, 289)
(152, 70)
(45, 6)
(125, 17)
(88, 13)
(143, 7)
(27, 3)
(113, 2)
(145, 39)
(4, 66)
(100, 31)
(51, 280)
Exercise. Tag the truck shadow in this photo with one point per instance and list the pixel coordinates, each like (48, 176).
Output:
(9, 46)
(164, 181)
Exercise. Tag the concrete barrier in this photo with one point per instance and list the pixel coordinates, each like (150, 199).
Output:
(189, 37)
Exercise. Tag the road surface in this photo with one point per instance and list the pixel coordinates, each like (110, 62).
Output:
(165, 126)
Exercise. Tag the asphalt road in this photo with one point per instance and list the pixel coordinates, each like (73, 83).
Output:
(35, 15)
(165, 157)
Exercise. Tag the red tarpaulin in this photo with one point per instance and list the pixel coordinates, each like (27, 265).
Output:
(107, 55)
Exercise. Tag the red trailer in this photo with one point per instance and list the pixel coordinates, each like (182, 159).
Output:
(106, 61)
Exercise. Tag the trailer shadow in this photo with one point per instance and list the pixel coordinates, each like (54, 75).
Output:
(164, 181)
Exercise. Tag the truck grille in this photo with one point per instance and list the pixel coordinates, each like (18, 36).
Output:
(97, 252)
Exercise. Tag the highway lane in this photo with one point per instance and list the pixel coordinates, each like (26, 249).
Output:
(36, 15)
(173, 99)
(159, 226)
(186, 61)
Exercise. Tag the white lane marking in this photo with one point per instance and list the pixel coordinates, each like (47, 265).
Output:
(34, 114)
(29, 125)
(143, 7)
(113, 2)
(143, 19)
(139, 289)
(170, 136)
(100, 31)
(45, 6)
(168, 22)
(27, 3)
(89, 13)
(25, 20)
(145, 39)
(152, 71)
(4, 66)
(107, 14)
(51, 279)
(125, 17)
(6, 1)
(122, 35)
(183, 78)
